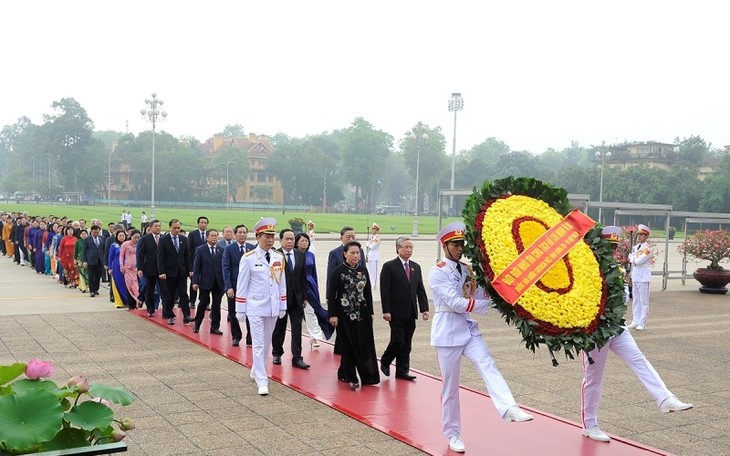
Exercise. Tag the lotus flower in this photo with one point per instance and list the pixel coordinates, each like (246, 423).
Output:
(39, 369)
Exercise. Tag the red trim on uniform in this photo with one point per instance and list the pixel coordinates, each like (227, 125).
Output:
(470, 306)
(283, 298)
(240, 299)
(452, 235)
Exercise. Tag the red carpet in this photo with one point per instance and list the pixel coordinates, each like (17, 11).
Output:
(411, 411)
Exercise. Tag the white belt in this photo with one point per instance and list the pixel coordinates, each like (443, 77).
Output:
(444, 308)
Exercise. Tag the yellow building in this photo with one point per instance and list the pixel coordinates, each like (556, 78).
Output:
(259, 150)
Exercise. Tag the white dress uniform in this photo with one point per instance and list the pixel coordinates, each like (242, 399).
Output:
(261, 294)
(624, 346)
(454, 334)
(640, 257)
(373, 257)
(312, 235)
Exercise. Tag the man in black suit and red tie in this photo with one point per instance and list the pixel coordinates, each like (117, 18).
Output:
(208, 281)
(296, 282)
(196, 238)
(174, 268)
(403, 296)
(147, 265)
(231, 262)
(92, 254)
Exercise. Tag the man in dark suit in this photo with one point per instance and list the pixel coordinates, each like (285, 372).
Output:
(208, 281)
(402, 295)
(296, 282)
(337, 257)
(231, 260)
(147, 264)
(93, 258)
(174, 268)
(196, 238)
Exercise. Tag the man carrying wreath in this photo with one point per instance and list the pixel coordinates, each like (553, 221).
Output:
(455, 334)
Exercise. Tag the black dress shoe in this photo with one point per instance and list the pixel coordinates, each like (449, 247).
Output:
(277, 360)
(405, 376)
(196, 329)
(385, 369)
(187, 320)
(300, 364)
(150, 314)
(170, 321)
(217, 332)
(248, 341)
(236, 342)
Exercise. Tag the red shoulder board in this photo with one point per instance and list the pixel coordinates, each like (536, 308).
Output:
(440, 264)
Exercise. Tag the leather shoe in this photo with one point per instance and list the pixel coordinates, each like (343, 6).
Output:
(236, 342)
(595, 433)
(188, 320)
(263, 390)
(277, 360)
(405, 376)
(514, 413)
(170, 321)
(672, 404)
(248, 341)
(299, 363)
(385, 369)
(217, 332)
(150, 314)
(196, 329)
(456, 444)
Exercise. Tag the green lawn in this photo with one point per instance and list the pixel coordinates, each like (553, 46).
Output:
(389, 224)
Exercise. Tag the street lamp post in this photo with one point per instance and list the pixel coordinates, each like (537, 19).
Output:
(227, 197)
(602, 155)
(153, 112)
(456, 104)
(418, 135)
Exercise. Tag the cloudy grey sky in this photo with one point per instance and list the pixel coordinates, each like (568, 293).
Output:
(534, 74)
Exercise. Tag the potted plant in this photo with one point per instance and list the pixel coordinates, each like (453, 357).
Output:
(37, 415)
(296, 224)
(672, 231)
(712, 246)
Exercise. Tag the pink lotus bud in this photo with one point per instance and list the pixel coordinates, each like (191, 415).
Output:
(118, 435)
(38, 369)
(102, 401)
(73, 381)
(83, 385)
(127, 424)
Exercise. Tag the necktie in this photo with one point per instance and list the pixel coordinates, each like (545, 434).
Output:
(240, 247)
(212, 251)
(458, 267)
(288, 261)
(408, 271)
(96, 241)
(268, 257)
(177, 244)
(157, 240)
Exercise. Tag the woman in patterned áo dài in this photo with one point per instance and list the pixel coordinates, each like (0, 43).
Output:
(350, 306)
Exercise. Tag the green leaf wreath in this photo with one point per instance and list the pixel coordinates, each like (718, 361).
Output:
(611, 306)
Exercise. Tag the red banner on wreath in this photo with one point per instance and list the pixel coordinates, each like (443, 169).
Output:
(538, 258)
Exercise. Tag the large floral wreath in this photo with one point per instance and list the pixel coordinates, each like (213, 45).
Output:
(578, 304)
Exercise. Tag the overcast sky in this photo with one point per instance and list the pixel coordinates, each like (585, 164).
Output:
(534, 74)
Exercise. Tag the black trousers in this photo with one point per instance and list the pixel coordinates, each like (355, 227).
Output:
(149, 292)
(212, 297)
(193, 294)
(277, 339)
(399, 348)
(95, 271)
(175, 286)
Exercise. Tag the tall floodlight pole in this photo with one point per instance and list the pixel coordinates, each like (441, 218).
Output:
(418, 135)
(153, 112)
(456, 104)
(602, 155)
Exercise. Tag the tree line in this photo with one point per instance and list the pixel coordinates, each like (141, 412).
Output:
(359, 164)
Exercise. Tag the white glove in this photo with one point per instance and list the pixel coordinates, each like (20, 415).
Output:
(241, 316)
(282, 314)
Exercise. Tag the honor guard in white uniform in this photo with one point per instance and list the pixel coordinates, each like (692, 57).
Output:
(455, 334)
(626, 349)
(373, 247)
(311, 234)
(640, 258)
(261, 295)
